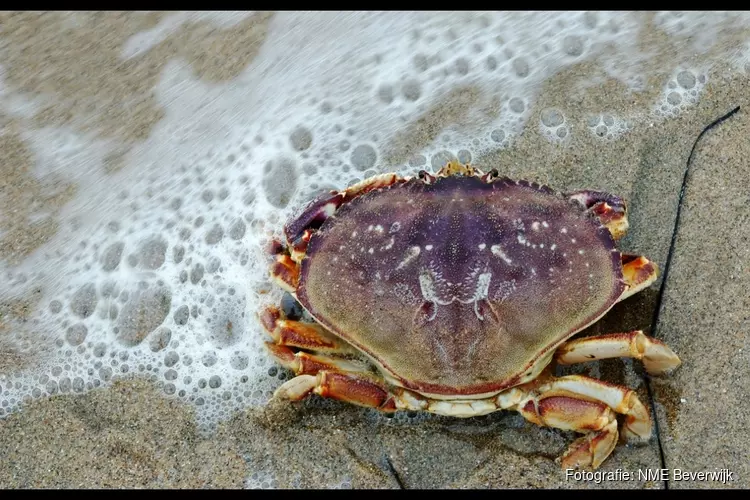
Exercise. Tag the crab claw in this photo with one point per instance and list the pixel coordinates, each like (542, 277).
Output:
(313, 216)
(611, 210)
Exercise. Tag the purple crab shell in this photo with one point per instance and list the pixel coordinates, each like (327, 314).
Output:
(458, 287)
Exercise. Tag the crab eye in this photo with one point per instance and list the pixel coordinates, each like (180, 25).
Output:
(422, 174)
(494, 174)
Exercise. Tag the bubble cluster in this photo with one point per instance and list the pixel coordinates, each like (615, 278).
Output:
(260, 480)
(606, 126)
(681, 92)
(552, 125)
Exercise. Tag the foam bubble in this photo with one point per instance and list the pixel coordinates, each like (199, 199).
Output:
(411, 90)
(143, 312)
(300, 139)
(573, 45)
(112, 255)
(83, 303)
(280, 179)
(363, 157)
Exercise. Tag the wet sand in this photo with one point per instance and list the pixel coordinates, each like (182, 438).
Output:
(130, 435)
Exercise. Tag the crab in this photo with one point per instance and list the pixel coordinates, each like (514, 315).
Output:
(455, 293)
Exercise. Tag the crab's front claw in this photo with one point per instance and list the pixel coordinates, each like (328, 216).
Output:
(314, 214)
(611, 210)
(638, 273)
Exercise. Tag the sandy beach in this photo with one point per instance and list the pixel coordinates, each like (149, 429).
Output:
(130, 434)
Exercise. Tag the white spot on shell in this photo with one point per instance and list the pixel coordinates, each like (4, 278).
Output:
(482, 246)
(564, 230)
(498, 251)
(428, 247)
(580, 251)
(553, 246)
(544, 223)
(379, 229)
(411, 254)
(354, 234)
(535, 226)
(389, 245)
(394, 228)
(371, 250)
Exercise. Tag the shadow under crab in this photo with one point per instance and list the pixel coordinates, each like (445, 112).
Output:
(453, 293)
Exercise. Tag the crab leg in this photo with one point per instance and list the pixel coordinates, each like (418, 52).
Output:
(585, 405)
(657, 357)
(592, 449)
(302, 363)
(638, 273)
(620, 399)
(285, 272)
(610, 209)
(354, 388)
(545, 404)
(297, 333)
(567, 412)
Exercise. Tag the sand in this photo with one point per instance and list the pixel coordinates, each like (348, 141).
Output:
(130, 435)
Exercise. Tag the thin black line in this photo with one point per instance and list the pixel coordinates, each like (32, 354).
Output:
(667, 266)
(394, 473)
(679, 211)
(658, 430)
